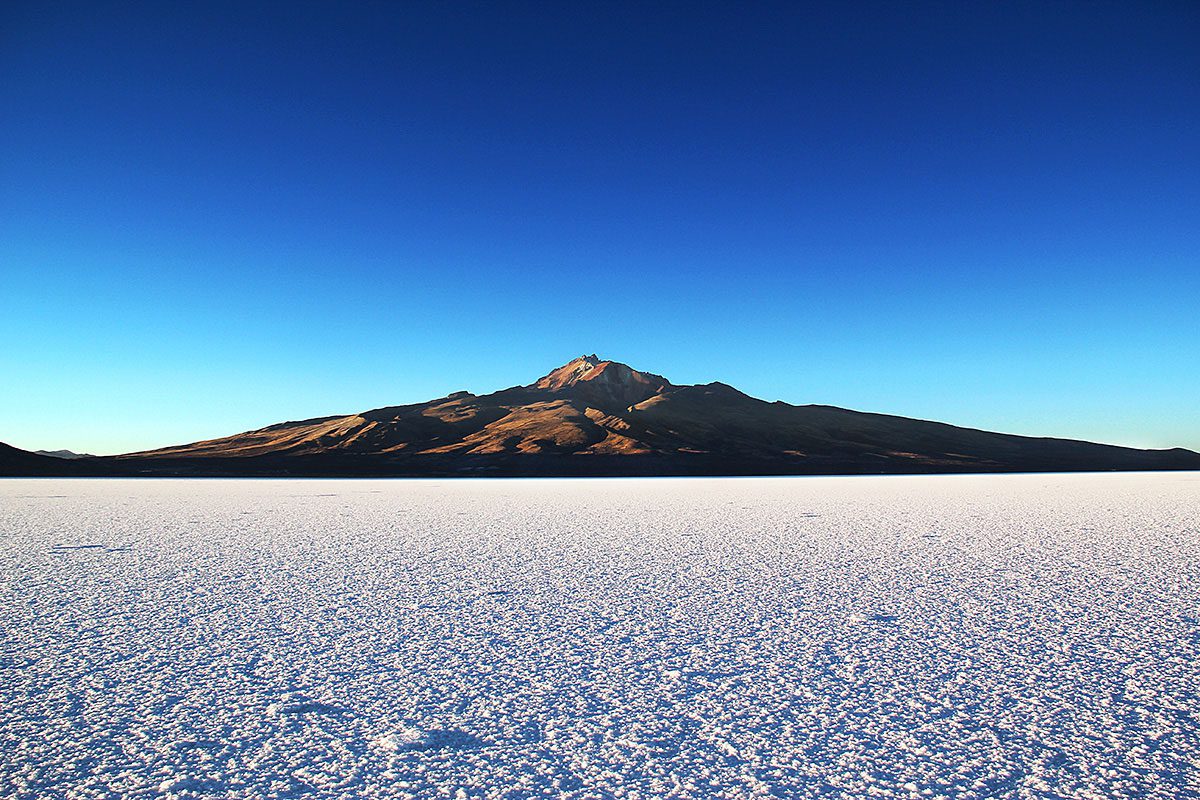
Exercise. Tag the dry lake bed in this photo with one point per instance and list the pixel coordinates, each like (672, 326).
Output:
(949, 636)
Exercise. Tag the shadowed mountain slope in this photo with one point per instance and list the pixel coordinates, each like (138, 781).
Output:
(15, 462)
(597, 417)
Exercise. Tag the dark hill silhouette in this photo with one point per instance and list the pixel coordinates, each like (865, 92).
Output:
(15, 462)
(597, 417)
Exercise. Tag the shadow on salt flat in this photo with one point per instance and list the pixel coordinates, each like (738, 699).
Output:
(448, 739)
(192, 786)
(313, 708)
(304, 706)
(414, 740)
(857, 618)
(204, 745)
(70, 548)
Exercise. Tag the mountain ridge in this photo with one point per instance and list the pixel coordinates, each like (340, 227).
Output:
(593, 416)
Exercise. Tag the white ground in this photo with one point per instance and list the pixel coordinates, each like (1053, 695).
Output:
(927, 636)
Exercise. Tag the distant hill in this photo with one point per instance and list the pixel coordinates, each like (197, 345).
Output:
(597, 417)
(15, 462)
(63, 454)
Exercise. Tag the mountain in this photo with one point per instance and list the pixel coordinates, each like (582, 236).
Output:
(63, 454)
(597, 417)
(15, 462)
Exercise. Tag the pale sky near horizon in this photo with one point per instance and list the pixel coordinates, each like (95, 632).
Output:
(212, 220)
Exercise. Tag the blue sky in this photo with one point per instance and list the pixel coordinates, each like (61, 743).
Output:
(219, 218)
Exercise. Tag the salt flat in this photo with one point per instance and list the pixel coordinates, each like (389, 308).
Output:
(958, 636)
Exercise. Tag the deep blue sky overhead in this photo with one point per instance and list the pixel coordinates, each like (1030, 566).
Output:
(216, 218)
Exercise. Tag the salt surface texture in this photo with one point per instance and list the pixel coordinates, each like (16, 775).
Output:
(908, 637)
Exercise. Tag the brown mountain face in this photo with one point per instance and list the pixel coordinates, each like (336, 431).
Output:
(604, 382)
(592, 416)
(597, 417)
(577, 409)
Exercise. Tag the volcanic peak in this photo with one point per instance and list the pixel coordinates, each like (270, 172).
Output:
(603, 380)
(593, 416)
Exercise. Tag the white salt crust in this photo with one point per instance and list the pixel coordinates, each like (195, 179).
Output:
(958, 637)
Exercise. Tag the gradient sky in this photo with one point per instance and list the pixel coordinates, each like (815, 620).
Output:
(982, 213)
